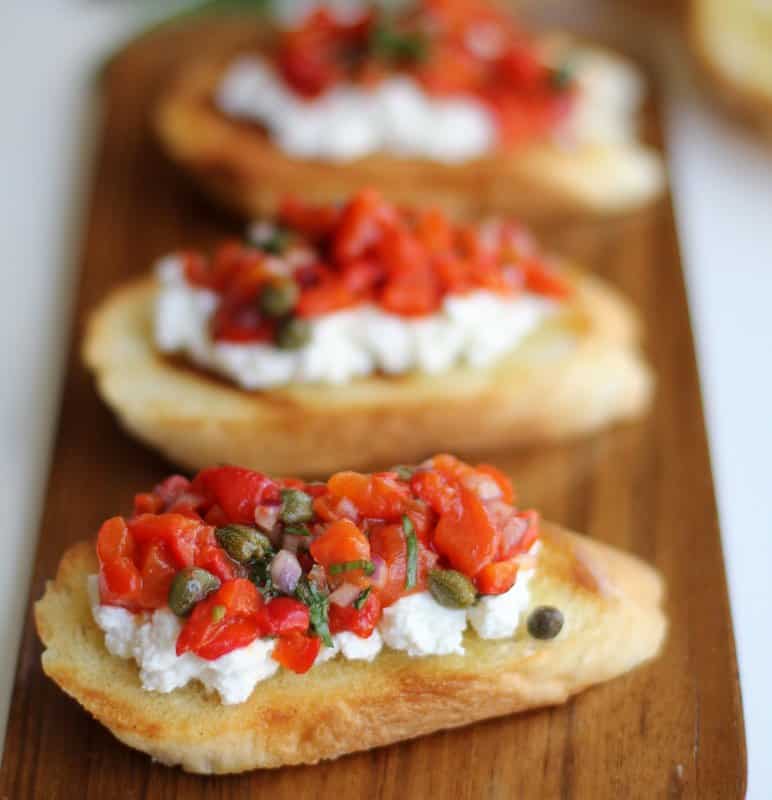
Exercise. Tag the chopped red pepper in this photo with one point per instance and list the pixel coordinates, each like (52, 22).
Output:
(367, 251)
(360, 621)
(286, 615)
(236, 490)
(451, 48)
(496, 578)
(119, 578)
(297, 651)
(226, 620)
(466, 536)
(360, 534)
(342, 544)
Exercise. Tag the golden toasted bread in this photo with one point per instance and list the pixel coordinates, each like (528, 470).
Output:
(611, 603)
(574, 375)
(236, 162)
(733, 42)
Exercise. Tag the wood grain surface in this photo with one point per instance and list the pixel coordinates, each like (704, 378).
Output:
(672, 729)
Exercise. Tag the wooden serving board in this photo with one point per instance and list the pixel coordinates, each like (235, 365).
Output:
(671, 729)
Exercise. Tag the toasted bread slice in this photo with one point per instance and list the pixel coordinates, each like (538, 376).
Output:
(574, 375)
(733, 41)
(237, 163)
(613, 623)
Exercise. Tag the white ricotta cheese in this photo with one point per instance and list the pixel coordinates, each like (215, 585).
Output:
(399, 117)
(497, 616)
(351, 647)
(420, 626)
(611, 91)
(348, 122)
(476, 328)
(150, 640)
(416, 624)
(355, 647)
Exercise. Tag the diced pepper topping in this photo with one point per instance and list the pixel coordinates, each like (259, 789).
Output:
(297, 651)
(368, 251)
(358, 620)
(358, 544)
(451, 47)
(466, 536)
(224, 621)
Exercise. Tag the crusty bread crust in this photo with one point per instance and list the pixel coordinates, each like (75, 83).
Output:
(237, 163)
(743, 91)
(614, 622)
(571, 377)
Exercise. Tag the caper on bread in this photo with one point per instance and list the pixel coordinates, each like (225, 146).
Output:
(414, 600)
(453, 105)
(733, 42)
(369, 334)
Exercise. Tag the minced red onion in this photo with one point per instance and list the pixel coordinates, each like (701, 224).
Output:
(380, 572)
(485, 488)
(347, 509)
(267, 516)
(285, 571)
(512, 530)
(345, 594)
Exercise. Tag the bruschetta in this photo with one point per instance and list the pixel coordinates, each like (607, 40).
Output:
(236, 622)
(449, 104)
(733, 42)
(357, 335)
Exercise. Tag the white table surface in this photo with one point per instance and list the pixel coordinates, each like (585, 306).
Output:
(722, 182)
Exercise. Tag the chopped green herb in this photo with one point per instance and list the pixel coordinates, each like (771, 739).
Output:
(404, 473)
(297, 530)
(277, 243)
(362, 599)
(218, 612)
(411, 573)
(260, 575)
(344, 566)
(401, 46)
(318, 607)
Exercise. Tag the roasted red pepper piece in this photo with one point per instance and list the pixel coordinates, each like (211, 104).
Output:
(360, 621)
(285, 615)
(297, 651)
(496, 578)
(465, 536)
(229, 618)
(236, 490)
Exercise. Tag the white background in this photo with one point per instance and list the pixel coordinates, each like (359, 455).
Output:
(722, 182)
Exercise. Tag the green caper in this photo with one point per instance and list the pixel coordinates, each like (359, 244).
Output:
(293, 333)
(243, 543)
(561, 76)
(189, 587)
(451, 589)
(545, 622)
(276, 243)
(295, 507)
(278, 297)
